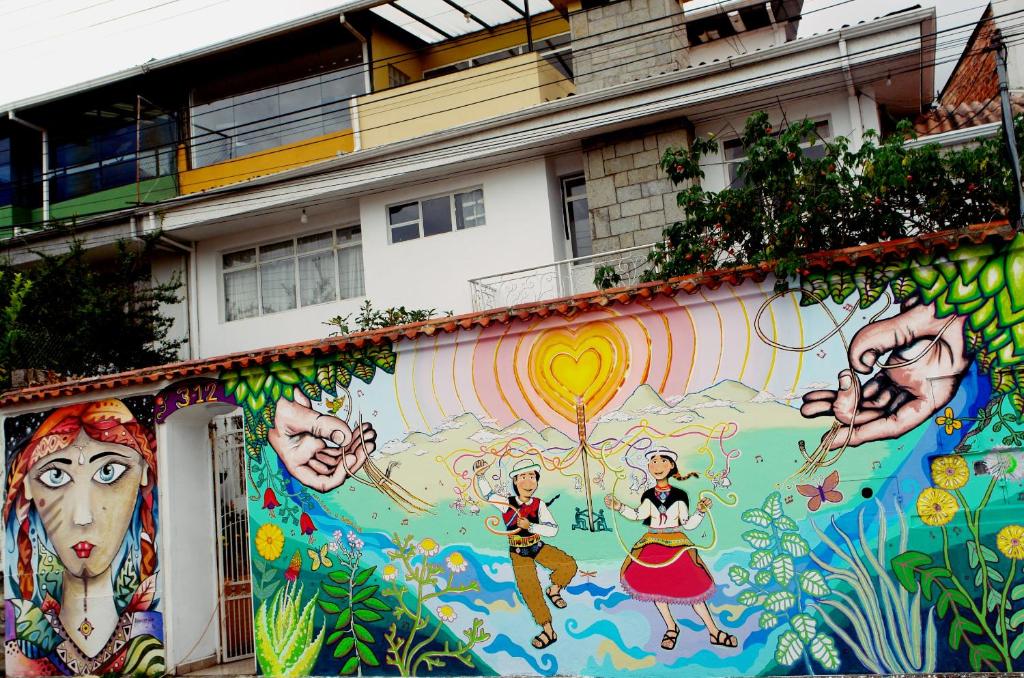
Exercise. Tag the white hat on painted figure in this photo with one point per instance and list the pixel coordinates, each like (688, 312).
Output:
(524, 466)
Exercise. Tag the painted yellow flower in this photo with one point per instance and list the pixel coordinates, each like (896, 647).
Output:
(950, 472)
(446, 613)
(456, 562)
(936, 507)
(269, 541)
(429, 547)
(390, 572)
(1010, 541)
(949, 421)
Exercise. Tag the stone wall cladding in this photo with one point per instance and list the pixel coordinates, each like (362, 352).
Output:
(631, 198)
(627, 41)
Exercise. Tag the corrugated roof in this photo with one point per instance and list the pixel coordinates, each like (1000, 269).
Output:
(567, 307)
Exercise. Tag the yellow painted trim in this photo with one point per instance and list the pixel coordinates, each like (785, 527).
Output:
(270, 161)
(505, 36)
(459, 98)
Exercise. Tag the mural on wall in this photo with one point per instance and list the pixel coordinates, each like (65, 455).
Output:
(731, 482)
(81, 512)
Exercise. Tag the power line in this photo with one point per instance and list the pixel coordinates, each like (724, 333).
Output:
(810, 93)
(792, 69)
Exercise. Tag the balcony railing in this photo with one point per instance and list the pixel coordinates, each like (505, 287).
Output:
(558, 279)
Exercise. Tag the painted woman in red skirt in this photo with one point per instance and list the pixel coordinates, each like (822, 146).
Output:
(663, 566)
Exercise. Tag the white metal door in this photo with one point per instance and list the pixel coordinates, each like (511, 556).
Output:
(234, 579)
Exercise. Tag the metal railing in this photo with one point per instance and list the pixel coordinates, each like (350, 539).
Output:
(559, 279)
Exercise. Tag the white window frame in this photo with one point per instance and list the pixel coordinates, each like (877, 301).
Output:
(419, 220)
(728, 164)
(566, 215)
(295, 256)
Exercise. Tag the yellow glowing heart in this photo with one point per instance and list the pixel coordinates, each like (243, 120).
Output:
(588, 363)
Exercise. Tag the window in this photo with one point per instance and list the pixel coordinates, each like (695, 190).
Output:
(6, 192)
(554, 49)
(305, 271)
(397, 77)
(247, 123)
(432, 216)
(734, 154)
(576, 214)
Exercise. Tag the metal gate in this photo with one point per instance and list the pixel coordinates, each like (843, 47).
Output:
(235, 583)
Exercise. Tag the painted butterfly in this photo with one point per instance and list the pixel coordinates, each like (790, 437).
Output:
(318, 558)
(824, 493)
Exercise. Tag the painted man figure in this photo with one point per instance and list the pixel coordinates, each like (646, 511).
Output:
(528, 520)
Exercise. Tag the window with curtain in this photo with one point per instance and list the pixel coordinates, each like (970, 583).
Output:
(298, 272)
(734, 153)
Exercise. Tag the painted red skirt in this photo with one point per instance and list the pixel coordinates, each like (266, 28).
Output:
(684, 580)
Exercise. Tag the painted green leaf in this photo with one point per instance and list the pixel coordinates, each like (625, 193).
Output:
(749, 598)
(780, 601)
(815, 289)
(350, 666)
(767, 620)
(1017, 646)
(805, 626)
(972, 555)
(329, 607)
(738, 575)
(763, 577)
(789, 648)
(961, 292)
(1014, 275)
(983, 653)
(959, 628)
(757, 538)
(991, 279)
(773, 505)
(782, 569)
(902, 287)
(824, 651)
(757, 517)
(930, 294)
(362, 633)
(928, 577)
(335, 591)
(1017, 592)
(363, 575)
(364, 593)
(795, 545)
(343, 618)
(905, 565)
(347, 644)
(376, 604)
(760, 559)
(339, 576)
(971, 259)
(989, 555)
(366, 654)
(367, 615)
(787, 524)
(925, 276)
(840, 284)
(813, 583)
(1004, 309)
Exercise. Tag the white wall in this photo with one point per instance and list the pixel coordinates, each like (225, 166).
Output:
(432, 272)
(834, 107)
(188, 559)
(162, 269)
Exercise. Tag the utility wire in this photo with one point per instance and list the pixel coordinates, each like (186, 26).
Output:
(811, 93)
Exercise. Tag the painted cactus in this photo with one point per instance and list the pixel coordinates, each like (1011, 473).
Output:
(285, 645)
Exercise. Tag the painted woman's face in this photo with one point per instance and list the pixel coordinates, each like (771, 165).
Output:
(659, 467)
(85, 495)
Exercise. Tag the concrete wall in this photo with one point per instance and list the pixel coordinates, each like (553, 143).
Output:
(432, 272)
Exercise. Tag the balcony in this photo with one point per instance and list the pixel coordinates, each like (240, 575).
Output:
(456, 99)
(559, 279)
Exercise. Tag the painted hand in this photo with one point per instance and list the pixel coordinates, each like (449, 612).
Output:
(898, 398)
(704, 505)
(301, 435)
(480, 467)
(612, 503)
(523, 524)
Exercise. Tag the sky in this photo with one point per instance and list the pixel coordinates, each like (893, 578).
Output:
(47, 45)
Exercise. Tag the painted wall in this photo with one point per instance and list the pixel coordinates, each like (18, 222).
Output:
(519, 233)
(80, 554)
(842, 469)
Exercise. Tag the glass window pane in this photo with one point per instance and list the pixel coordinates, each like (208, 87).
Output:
(579, 224)
(317, 241)
(300, 110)
(733, 149)
(316, 278)
(211, 132)
(399, 214)
(576, 188)
(277, 250)
(256, 115)
(240, 295)
(403, 233)
(350, 234)
(240, 258)
(469, 208)
(277, 286)
(350, 271)
(437, 216)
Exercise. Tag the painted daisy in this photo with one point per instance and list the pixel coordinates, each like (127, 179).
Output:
(456, 562)
(389, 573)
(950, 472)
(1010, 541)
(429, 547)
(446, 613)
(936, 507)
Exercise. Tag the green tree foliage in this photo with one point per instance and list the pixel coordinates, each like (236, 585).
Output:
(78, 318)
(370, 318)
(793, 203)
